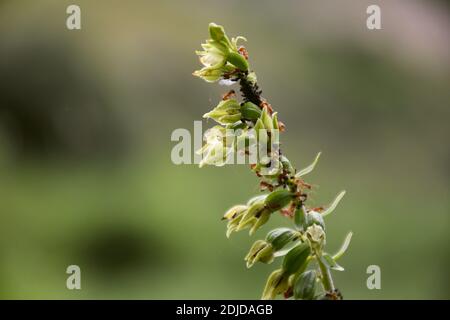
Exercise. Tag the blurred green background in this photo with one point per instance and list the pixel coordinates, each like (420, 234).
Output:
(85, 124)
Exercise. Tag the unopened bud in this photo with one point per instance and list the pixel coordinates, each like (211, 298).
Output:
(280, 237)
(266, 120)
(216, 32)
(296, 258)
(314, 217)
(250, 111)
(305, 286)
(300, 218)
(278, 199)
(237, 60)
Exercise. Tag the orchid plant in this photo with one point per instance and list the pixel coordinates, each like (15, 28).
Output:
(246, 128)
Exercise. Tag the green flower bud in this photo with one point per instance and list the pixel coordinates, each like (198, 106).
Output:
(259, 127)
(278, 199)
(305, 286)
(296, 258)
(216, 32)
(266, 120)
(250, 111)
(226, 112)
(275, 120)
(300, 218)
(260, 251)
(314, 217)
(280, 237)
(237, 60)
(277, 283)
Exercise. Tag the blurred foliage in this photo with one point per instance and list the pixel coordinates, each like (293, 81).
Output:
(85, 124)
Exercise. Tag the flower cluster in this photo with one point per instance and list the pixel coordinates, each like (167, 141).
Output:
(220, 55)
(249, 127)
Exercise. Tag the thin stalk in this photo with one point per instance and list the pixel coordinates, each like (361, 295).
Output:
(327, 280)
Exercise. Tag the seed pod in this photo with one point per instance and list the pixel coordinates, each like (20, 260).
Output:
(278, 199)
(300, 218)
(250, 111)
(314, 217)
(280, 237)
(296, 258)
(305, 286)
(237, 60)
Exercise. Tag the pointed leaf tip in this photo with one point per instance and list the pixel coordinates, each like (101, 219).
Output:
(309, 168)
(334, 204)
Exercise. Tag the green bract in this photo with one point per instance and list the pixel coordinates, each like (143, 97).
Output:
(304, 264)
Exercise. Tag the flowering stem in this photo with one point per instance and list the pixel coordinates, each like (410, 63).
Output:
(327, 280)
(250, 91)
(252, 118)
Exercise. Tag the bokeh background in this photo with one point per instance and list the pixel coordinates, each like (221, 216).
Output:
(86, 117)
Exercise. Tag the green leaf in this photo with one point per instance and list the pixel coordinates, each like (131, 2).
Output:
(334, 204)
(330, 263)
(344, 246)
(309, 168)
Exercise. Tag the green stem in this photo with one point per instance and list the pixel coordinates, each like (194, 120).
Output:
(327, 280)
